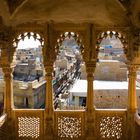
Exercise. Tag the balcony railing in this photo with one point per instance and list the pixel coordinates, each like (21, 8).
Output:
(109, 124)
(29, 124)
(69, 124)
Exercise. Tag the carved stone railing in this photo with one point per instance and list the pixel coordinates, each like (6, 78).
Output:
(69, 124)
(29, 124)
(110, 124)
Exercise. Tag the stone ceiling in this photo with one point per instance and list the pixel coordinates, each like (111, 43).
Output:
(98, 12)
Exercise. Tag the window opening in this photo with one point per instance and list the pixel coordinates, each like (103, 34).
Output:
(111, 81)
(67, 72)
(28, 75)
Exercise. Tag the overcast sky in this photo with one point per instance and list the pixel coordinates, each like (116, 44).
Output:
(28, 43)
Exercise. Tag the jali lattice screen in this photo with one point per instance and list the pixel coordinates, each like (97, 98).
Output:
(29, 127)
(69, 127)
(111, 127)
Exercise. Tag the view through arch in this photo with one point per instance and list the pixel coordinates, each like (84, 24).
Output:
(29, 84)
(111, 74)
(67, 73)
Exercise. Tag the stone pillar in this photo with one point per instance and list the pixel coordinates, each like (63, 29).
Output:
(7, 52)
(49, 89)
(90, 116)
(132, 102)
(49, 102)
(7, 58)
(90, 67)
(8, 92)
(132, 97)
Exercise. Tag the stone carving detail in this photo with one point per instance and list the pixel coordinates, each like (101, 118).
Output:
(136, 44)
(69, 35)
(69, 127)
(22, 36)
(111, 127)
(29, 127)
(110, 34)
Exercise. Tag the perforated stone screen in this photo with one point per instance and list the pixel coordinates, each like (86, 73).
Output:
(29, 127)
(111, 127)
(69, 127)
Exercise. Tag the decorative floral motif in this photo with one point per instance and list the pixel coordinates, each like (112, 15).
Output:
(28, 127)
(69, 127)
(111, 127)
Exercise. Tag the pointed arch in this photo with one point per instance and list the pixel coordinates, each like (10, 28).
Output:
(29, 72)
(69, 74)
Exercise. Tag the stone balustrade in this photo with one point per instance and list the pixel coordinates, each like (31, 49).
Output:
(109, 124)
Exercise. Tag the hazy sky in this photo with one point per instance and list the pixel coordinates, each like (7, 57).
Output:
(28, 43)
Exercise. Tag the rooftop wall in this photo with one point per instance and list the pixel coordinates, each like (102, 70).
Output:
(110, 70)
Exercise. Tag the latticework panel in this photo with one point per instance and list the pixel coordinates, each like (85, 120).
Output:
(29, 124)
(110, 125)
(69, 125)
(29, 127)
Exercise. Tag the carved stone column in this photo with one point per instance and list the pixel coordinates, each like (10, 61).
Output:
(49, 102)
(7, 52)
(49, 89)
(90, 68)
(90, 116)
(8, 92)
(132, 102)
(132, 97)
(6, 60)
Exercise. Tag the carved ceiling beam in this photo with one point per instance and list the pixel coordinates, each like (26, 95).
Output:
(15, 5)
(124, 3)
(15, 11)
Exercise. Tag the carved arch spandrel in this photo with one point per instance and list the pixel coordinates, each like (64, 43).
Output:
(134, 51)
(48, 54)
(7, 51)
(91, 44)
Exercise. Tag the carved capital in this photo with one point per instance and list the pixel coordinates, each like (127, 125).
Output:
(132, 69)
(90, 67)
(7, 72)
(49, 70)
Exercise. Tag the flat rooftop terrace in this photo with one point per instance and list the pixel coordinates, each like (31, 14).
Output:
(80, 86)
